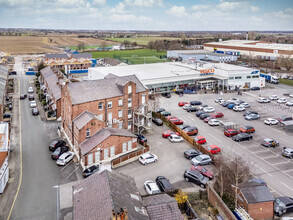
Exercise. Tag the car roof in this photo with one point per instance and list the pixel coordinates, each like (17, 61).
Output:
(146, 155)
(267, 139)
(65, 154)
(204, 156)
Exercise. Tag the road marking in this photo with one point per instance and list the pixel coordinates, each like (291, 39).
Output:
(73, 172)
(288, 170)
(279, 163)
(264, 158)
(20, 155)
(286, 186)
(216, 138)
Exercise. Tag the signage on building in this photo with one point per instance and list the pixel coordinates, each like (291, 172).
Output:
(275, 51)
(207, 72)
(254, 72)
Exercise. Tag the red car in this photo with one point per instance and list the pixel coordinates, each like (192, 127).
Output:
(169, 133)
(231, 132)
(181, 104)
(206, 120)
(171, 117)
(176, 121)
(203, 171)
(213, 149)
(218, 115)
(200, 139)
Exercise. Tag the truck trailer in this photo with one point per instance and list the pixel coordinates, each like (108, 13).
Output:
(269, 78)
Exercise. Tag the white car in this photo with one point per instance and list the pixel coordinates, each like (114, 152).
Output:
(147, 158)
(186, 106)
(209, 109)
(33, 104)
(65, 158)
(218, 100)
(289, 103)
(245, 105)
(271, 121)
(233, 100)
(202, 107)
(238, 108)
(221, 102)
(30, 90)
(291, 95)
(174, 138)
(274, 97)
(151, 187)
(214, 122)
(282, 100)
(263, 100)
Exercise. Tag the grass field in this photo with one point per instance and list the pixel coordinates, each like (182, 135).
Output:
(139, 56)
(142, 40)
(286, 81)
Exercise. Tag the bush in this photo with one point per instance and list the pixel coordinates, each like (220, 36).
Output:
(44, 102)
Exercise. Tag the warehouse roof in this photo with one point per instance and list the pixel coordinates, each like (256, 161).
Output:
(199, 52)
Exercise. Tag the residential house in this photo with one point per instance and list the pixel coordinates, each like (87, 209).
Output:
(112, 62)
(3, 86)
(4, 149)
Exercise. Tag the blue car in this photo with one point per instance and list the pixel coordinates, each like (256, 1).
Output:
(230, 106)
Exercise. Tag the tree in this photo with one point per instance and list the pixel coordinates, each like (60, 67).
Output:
(103, 45)
(151, 45)
(80, 47)
(287, 62)
(159, 45)
(126, 43)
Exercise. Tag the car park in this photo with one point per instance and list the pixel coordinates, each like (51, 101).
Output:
(90, 170)
(191, 109)
(271, 121)
(191, 153)
(200, 140)
(206, 120)
(147, 158)
(175, 138)
(157, 121)
(252, 117)
(283, 205)
(217, 115)
(30, 90)
(33, 104)
(287, 152)
(274, 97)
(201, 160)
(218, 100)
(141, 139)
(151, 187)
(289, 103)
(202, 107)
(35, 111)
(195, 177)
(168, 133)
(238, 108)
(31, 97)
(268, 142)
(213, 149)
(159, 110)
(181, 104)
(182, 127)
(204, 115)
(191, 130)
(164, 184)
(247, 129)
(55, 144)
(198, 113)
(242, 137)
(65, 158)
(209, 109)
(255, 88)
(23, 96)
(285, 118)
(230, 132)
(165, 113)
(230, 106)
(245, 105)
(166, 94)
(249, 112)
(282, 100)
(177, 121)
(194, 102)
(203, 171)
(263, 100)
(214, 122)
(186, 106)
(60, 150)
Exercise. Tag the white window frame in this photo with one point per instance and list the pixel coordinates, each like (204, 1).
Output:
(120, 114)
(129, 145)
(112, 151)
(129, 102)
(124, 147)
(129, 125)
(110, 104)
(106, 153)
(143, 98)
(129, 89)
(120, 102)
(90, 158)
(97, 156)
(100, 105)
(120, 124)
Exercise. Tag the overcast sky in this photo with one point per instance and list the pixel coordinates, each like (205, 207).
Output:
(178, 15)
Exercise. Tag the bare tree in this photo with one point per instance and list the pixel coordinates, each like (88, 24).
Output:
(126, 43)
(287, 62)
(151, 45)
(103, 45)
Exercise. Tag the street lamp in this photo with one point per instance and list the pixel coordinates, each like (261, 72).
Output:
(57, 188)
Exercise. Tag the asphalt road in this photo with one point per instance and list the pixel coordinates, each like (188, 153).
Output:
(36, 198)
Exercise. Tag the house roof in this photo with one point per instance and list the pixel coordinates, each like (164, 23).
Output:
(90, 143)
(3, 156)
(82, 55)
(56, 56)
(3, 80)
(55, 89)
(88, 91)
(95, 197)
(162, 206)
(84, 118)
(112, 62)
(254, 193)
(46, 72)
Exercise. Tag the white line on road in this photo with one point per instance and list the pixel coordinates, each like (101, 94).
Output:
(264, 158)
(286, 186)
(288, 171)
(274, 164)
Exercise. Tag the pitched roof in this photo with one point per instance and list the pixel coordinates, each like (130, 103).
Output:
(112, 62)
(3, 156)
(53, 87)
(3, 80)
(84, 118)
(88, 91)
(56, 56)
(162, 207)
(95, 197)
(90, 143)
(82, 55)
(46, 72)
(256, 193)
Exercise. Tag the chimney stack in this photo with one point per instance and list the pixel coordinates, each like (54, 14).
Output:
(122, 215)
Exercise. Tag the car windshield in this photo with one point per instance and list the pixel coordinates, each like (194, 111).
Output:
(198, 158)
(279, 202)
(60, 160)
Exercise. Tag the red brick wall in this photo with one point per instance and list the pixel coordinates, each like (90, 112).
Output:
(263, 210)
(94, 125)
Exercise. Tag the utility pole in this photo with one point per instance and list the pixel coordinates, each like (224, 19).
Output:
(57, 188)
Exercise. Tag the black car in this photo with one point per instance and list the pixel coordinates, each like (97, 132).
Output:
(6, 115)
(199, 113)
(191, 153)
(204, 115)
(141, 139)
(242, 137)
(12, 73)
(195, 102)
(164, 184)
(182, 127)
(157, 121)
(165, 113)
(249, 113)
(35, 111)
(60, 150)
(283, 205)
(23, 96)
(254, 88)
(166, 94)
(89, 171)
(285, 118)
(55, 144)
(159, 110)
(31, 97)
(195, 177)
(191, 109)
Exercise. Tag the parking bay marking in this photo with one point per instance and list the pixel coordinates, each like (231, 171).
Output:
(286, 186)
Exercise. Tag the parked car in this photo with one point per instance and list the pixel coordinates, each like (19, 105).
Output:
(191, 131)
(285, 118)
(204, 115)
(217, 100)
(291, 95)
(191, 153)
(198, 113)
(177, 121)
(6, 115)
(255, 88)
(159, 110)
(182, 127)
(33, 104)
(195, 177)
(214, 122)
(165, 113)
(209, 109)
(268, 142)
(191, 109)
(203, 171)
(55, 144)
(195, 102)
(218, 115)
(242, 137)
(200, 140)
(274, 97)
(224, 104)
(168, 133)
(186, 106)
(247, 129)
(245, 105)
(263, 100)
(271, 121)
(202, 107)
(31, 97)
(206, 120)
(238, 108)
(230, 132)
(35, 111)
(181, 104)
(65, 158)
(171, 117)
(23, 96)
(213, 149)
(60, 150)
(287, 152)
(141, 139)
(147, 158)
(202, 159)
(175, 138)
(283, 205)
(157, 121)
(151, 187)
(230, 106)
(252, 117)
(257, 181)
(91, 170)
(249, 113)
(221, 102)
(289, 103)
(282, 100)
(30, 90)
(166, 94)
(164, 184)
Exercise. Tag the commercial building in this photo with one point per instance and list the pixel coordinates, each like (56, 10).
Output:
(4, 149)
(162, 77)
(263, 50)
(200, 55)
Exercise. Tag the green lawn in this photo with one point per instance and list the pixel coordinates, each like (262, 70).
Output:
(142, 40)
(286, 81)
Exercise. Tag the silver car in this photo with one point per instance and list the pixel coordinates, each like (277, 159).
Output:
(252, 117)
(268, 142)
(151, 187)
(201, 160)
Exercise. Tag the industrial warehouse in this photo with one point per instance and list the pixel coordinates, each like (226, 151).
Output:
(162, 77)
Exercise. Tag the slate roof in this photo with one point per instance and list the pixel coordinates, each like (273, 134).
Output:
(254, 193)
(53, 87)
(90, 143)
(3, 80)
(84, 118)
(88, 91)
(94, 198)
(82, 55)
(46, 72)
(162, 207)
(112, 62)
(56, 56)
